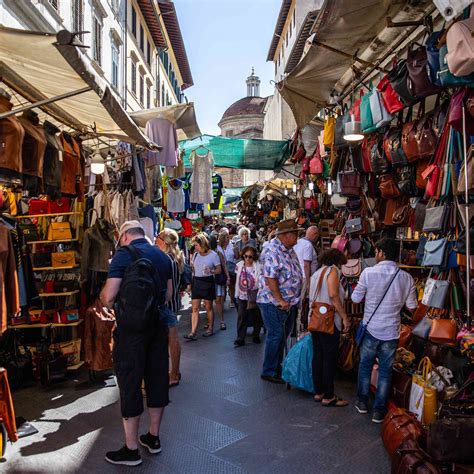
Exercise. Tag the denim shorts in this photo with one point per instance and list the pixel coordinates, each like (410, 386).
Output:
(220, 290)
(168, 317)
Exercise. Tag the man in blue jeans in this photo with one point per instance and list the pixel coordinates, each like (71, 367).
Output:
(385, 292)
(279, 295)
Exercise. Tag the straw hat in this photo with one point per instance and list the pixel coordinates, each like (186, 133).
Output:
(287, 226)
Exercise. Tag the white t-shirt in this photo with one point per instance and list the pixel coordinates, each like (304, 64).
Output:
(228, 252)
(305, 252)
(203, 264)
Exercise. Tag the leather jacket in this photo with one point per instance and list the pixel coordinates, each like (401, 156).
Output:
(71, 170)
(52, 165)
(11, 142)
(34, 144)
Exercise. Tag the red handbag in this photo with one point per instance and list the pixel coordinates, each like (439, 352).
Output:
(37, 206)
(387, 186)
(367, 144)
(389, 96)
(59, 206)
(305, 164)
(299, 155)
(315, 164)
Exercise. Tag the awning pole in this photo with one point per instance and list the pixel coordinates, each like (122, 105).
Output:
(467, 217)
(45, 102)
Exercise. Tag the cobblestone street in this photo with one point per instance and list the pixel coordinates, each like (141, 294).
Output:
(223, 419)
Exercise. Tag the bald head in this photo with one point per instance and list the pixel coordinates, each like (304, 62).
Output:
(312, 233)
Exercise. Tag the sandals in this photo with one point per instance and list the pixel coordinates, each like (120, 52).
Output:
(335, 402)
(208, 333)
(191, 336)
(223, 326)
(318, 398)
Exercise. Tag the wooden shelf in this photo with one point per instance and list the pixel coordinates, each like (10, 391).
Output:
(33, 216)
(31, 242)
(76, 366)
(414, 266)
(47, 325)
(66, 293)
(38, 269)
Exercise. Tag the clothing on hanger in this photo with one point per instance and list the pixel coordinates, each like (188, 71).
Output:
(201, 183)
(163, 132)
(217, 188)
(71, 171)
(175, 197)
(53, 161)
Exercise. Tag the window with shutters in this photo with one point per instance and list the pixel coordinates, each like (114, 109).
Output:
(134, 21)
(115, 65)
(54, 4)
(134, 77)
(148, 53)
(162, 95)
(142, 39)
(148, 97)
(78, 17)
(142, 89)
(97, 40)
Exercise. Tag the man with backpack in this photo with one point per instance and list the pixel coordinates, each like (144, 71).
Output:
(138, 284)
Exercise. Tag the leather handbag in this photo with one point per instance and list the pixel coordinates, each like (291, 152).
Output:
(366, 120)
(443, 331)
(450, 440)
(29, 230)
(393, 147)
(434, 252)
(446, 77)
(299, 155)
(436, 293)
(59, 206)
(423, 328)
(420, 168)
(378, 161)
(366, 148)
(407, 181)
(352, 269)
(387, 186)
(398, 426)
(353, 225)
(398, 77)
(350, 183)
(461, 242)
(409, 143)
(425, 136)
(401, 386)
(63, 259)
(400, 216)
(458, 102)
(419, 82)
(338, 201)
(389, 96)
(322, 314)
(59, 231)
(432, 56)
(354, 246)
(340, 243)
(390, 207)
(315, 163)
(37, 206)
(460, 44)
(341, 121)
(436, 219)
(329, 131)
(380, 116)
(410, 458)
(41, 260)
(405, 336)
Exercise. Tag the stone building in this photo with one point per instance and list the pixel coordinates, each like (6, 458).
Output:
(244, 119)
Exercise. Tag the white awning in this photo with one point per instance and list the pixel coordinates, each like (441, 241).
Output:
(41, 66)
(182, 115)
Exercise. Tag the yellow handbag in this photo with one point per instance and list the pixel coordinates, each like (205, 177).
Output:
(429, 398)
(59, 231)
(329, 131)
(63, 259)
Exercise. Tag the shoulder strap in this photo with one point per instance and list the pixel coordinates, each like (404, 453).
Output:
(386, 291)
(320, 282)
(133, 252)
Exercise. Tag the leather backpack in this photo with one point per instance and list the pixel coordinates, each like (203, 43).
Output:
(419, 82)
(460, 43)
(378, 161)
(410, 458)
(425, 136)
(409, 143)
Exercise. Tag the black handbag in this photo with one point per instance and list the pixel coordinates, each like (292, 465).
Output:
(398, 77)
(29, 230)
(401, 387)
(436, 219)
(407, 181)
(41, 260)
(378, 160)
(393, 145)
(339, 129)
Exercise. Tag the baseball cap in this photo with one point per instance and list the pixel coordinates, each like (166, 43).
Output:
(129, 225)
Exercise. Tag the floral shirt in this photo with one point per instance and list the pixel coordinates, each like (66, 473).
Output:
(282, 264)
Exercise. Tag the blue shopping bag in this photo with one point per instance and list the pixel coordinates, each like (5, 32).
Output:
(298, 365)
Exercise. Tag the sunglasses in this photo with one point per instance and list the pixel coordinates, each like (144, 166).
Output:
(248, 256)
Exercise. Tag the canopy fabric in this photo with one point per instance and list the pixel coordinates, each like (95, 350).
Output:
(38, 66)
(239, 153)
(346, 26)
(182, 115)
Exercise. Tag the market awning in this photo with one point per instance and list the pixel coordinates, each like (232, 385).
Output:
(182, 115)
(41, 66)
(239, 153)
(350, 28)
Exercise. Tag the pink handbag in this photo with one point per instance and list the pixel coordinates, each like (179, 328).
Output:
(460, 42)
(315, 164)
(340, 243)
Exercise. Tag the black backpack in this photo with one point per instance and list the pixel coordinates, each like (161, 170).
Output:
(137, 304)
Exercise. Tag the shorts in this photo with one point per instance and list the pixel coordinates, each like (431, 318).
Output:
(168, 317)
(220, 290)
(141, 357)
(203, 288)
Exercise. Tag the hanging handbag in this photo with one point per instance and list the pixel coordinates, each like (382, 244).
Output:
(341, 121)
(29, 230)
(434, 252)
(461, 242)
(389, 96)
(419, 82)
(299, 155)
(366, 120)
(409, 143)
(59, 231)
(315, 163)
(460, 44)
(338, 201)
(398, 77)
(352, 269)
(393, 147)
(380, 116)
(436, 219)
(443, 331)
(322, 314)
(387, 186)
(436, 293)
(420, 169)
(329, 131)
(425, 136)
(350, 183)
(340, 243)
(353, 225)
(366, 149)
(458, 103)
(446, 77)
(423, 328)
(407, 181)
(432, 56)
(400, 216)
(378, 161)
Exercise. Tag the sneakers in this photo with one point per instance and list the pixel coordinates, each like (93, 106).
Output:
(152, 443)
(378, 416)
(124, 457)
(361, 407)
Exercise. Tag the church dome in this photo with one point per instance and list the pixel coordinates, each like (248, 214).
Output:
(246, 106)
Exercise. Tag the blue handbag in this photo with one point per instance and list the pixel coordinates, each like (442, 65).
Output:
(432, 53)
(298, 365)
(362, 328)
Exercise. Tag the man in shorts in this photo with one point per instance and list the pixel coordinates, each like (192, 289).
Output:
(139, 356)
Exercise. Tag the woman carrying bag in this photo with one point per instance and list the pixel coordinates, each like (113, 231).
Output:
(328, 318)
(248, 273)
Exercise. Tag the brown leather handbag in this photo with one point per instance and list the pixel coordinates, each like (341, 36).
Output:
(426, 137)
(410, 458)
(420, 168)
(400, 216)
(398, 426)
(387, 186)
(401, 387)
(409, 143)
(405, 336)
(443, 331)
(390, 207)
(322, 314)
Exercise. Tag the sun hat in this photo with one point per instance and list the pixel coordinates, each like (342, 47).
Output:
(287, 226)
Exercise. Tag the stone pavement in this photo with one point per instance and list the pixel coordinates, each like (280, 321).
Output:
(223, 419)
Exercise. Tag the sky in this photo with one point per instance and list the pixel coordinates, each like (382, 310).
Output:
(224, 39)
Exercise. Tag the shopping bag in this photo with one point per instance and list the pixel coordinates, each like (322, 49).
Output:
(298, 365)
(423, 396)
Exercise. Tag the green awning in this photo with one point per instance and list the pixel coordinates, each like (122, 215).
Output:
(239, 153)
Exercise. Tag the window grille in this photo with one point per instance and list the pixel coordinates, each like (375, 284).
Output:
(78, 17)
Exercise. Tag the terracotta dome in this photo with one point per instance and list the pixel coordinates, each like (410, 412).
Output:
(246, 106)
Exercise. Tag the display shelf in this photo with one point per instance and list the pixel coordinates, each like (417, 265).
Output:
(414, 266)
(66, 293)
(31, 242)
(38, 269)
(33, 216)
(45, 325)
(76, 366)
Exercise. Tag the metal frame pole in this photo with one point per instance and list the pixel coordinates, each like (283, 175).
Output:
(45, 102)
(467, 217)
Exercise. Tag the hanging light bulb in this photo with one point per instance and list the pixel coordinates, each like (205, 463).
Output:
(329, 188)
(285, 191)
(294, 187)
(97, 163)
(311, 185)
(353, 131)
(259, 206)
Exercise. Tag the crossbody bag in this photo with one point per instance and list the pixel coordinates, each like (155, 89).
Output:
(322, 314)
